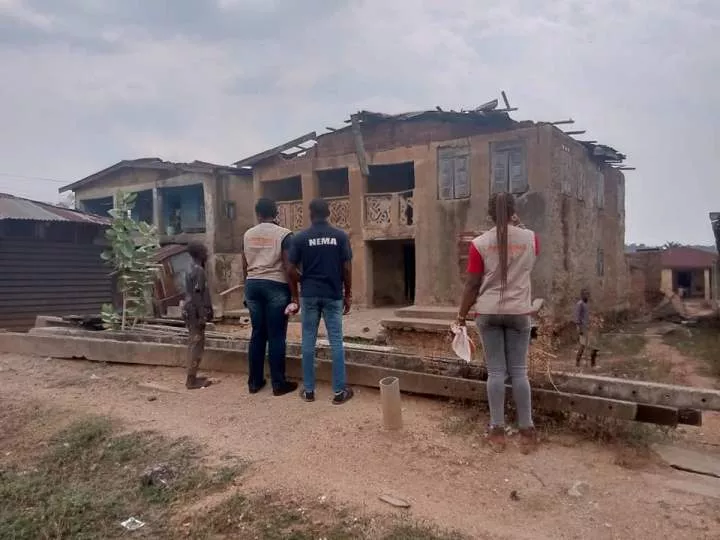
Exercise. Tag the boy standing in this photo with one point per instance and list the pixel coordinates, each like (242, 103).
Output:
(586, 336)
(197, 311)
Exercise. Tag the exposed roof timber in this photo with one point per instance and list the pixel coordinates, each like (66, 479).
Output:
(489, 106)
(505, 100)
(625, 168)
(588, 142)
(257, 158)
(560, 122)
(330, 128)
(578, 132)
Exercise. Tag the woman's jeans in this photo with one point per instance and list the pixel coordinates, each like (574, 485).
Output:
(266, 300)
(505, 340)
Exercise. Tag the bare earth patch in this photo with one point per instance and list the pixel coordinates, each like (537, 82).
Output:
(324, 466)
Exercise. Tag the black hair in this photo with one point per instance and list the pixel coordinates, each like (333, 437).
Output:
(501, 210)
(319, 209)
(266, 208)
(197, 251)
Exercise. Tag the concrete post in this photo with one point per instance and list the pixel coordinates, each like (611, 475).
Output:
(708, 291)
(310, 191)
(362, 266)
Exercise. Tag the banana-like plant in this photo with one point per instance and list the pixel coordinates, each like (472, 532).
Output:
(132, 246)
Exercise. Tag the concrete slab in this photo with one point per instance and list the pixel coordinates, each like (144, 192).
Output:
(407, 324)
(693, 461)
(705, 486)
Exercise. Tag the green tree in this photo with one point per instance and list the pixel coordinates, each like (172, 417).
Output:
(132, 246)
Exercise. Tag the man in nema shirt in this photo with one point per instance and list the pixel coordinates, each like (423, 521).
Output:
(320, 258)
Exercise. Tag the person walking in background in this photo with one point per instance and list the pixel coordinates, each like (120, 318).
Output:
(498, 284)
(586, 337)
(197, 310)
(269, 296)
(321, 263)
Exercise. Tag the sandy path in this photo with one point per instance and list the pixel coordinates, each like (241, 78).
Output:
(339, 452)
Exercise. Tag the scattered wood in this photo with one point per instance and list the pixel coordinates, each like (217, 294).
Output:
(394, 501)
(561, 122)
(578, 132)
(505, 99)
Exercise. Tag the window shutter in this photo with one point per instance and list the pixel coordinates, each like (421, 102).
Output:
(518, 176)
(601, 189)
(499, 171)
(446, 175)
(461, 180)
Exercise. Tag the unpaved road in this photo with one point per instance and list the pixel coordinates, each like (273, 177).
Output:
(451, 478)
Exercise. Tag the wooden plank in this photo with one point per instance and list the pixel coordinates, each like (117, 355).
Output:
(257, 158)
(359, 145)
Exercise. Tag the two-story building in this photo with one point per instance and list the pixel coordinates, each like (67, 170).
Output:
(197, 201)
(406, 187)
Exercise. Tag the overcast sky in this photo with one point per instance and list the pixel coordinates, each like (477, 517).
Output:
(86, 83)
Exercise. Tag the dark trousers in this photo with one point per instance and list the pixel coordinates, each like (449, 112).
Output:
(196, 347)
(266, 300)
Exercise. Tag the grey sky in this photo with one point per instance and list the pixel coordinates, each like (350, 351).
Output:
(86, 83)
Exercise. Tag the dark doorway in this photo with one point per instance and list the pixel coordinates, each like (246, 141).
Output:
(393, 270)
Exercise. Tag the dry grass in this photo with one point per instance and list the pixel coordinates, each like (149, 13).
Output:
(87, 479)
(702, 343)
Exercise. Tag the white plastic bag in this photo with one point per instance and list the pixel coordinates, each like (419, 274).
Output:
(462, 345)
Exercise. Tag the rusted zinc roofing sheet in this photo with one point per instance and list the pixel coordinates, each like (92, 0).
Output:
(12, 207)
(156, 164)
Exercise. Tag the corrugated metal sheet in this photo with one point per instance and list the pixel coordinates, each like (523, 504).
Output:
(48, 278)
(684, 258)
(12, 207)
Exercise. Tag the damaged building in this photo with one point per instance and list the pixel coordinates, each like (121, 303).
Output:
(409, 187)
(196, 201)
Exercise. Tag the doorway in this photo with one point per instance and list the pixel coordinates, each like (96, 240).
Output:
(393, 271)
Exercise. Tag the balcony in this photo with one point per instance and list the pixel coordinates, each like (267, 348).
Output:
(339, 212)
(290, 215)
(388, 215)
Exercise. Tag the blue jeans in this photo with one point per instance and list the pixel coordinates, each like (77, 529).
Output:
(266, 300)
(331, 312)
(505, 341)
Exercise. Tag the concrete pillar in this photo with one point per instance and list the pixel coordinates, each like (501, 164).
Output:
(310, 191)
(708, 291)
(362, 262)
(666, 281)
(157, 210)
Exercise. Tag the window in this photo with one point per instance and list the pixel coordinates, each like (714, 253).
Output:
(567, 166)
(509, 171)
(581, 183)
(600, 199)
(453, 173)
(600, 262)
(621, 196)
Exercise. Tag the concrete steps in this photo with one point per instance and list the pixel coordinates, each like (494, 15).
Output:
(441, 313)
(407, 324)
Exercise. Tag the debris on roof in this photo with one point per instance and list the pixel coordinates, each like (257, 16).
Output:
(154, 163)
(488, 114)
(12, 207)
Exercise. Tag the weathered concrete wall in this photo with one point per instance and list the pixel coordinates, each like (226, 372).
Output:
(587, 246)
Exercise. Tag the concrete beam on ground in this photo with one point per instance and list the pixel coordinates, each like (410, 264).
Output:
(649, 393)
(235, 361)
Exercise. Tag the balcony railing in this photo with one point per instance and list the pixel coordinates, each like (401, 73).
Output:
(390, 213)
(339, 212)
(290, 215)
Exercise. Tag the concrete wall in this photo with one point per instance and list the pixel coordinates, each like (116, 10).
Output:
(571, 230)
(223, 231)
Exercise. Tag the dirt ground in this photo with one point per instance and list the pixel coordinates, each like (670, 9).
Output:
(439, 462)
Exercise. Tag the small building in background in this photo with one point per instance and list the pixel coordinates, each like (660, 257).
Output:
(688, 271)
(50, 262)
(197, 201)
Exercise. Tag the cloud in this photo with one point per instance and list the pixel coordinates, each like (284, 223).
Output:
(93, 82)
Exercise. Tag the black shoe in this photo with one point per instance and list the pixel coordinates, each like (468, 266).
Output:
(285, 388)
(256, 389)
(307, 396)
(342, 396)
